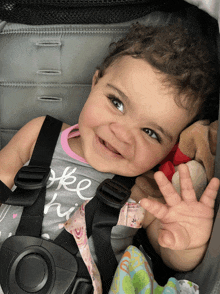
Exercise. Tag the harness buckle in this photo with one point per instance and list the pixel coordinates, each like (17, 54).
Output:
(32, 177)
(113, 193)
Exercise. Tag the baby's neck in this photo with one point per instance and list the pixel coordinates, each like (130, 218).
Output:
(75, 146)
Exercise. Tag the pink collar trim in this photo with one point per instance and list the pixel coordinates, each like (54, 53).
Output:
(67, 134)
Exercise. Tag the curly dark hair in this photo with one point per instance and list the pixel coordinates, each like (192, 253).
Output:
(183, 61)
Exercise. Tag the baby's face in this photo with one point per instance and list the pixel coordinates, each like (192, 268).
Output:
(130, 121)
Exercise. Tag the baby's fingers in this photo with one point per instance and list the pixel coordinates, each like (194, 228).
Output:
(158, 209)
(187, 192)
(170, 195)
(210, 193)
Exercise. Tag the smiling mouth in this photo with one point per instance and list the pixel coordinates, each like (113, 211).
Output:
(109, 146)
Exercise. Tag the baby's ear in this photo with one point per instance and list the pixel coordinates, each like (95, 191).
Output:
(95, 78)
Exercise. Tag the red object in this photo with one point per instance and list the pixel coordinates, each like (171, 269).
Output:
(174, 158)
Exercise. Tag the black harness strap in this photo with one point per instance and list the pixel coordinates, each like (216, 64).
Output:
(32, 178)
(102, 214)
(32, 217)
(46, 142)
(104, 211)
(66, 241)
(29, 177)
(62, 269)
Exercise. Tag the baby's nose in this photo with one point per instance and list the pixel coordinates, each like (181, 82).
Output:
(122, 132)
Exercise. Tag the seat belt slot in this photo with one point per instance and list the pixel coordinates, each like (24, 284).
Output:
(32, 177)
(113, 193)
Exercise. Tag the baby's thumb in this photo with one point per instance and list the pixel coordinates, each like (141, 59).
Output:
(174, 237)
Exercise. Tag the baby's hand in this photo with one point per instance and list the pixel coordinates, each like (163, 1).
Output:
(185, 222)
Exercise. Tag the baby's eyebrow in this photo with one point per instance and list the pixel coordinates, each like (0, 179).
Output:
(122, 94)
(165, 132)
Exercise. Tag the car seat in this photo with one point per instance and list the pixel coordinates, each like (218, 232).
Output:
(49, 53)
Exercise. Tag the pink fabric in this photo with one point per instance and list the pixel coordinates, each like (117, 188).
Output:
(131, 215)
(67, 134)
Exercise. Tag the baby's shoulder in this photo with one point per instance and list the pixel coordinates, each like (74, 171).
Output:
(34, 126)
(30, 131)
(65, 126)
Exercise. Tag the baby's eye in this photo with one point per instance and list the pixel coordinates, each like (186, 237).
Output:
(152, 134)
(116, 102)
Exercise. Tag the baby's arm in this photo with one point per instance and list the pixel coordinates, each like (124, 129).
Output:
(19, 150)
(182, 227)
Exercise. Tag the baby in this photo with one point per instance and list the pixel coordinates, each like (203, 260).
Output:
(154, 83)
